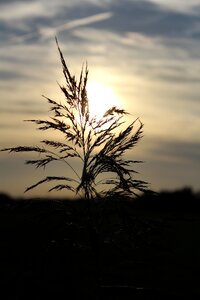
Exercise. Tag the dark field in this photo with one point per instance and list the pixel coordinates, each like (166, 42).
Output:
(149, 248)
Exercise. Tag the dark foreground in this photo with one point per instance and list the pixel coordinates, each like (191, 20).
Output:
(141, 250)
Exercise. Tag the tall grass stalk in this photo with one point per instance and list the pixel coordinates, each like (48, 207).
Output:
(99, 144)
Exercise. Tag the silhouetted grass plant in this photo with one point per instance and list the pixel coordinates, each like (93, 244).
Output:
(97, 143)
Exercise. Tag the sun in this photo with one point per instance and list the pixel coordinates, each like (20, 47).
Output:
(101, 98)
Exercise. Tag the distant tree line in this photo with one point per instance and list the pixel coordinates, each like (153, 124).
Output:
(184, 199)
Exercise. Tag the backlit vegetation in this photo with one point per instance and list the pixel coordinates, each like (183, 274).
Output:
(99, 144)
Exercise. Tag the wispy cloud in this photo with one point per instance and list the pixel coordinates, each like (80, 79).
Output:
(140, 18)
(178, 5)
(11, 12)
(177, 151)
(47, 32)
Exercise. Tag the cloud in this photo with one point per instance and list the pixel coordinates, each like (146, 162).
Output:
(21, 111)
(19, 10)
(132, 19)
(9, 75)
(152, 20)
(178, 5)
(179, 152)
(13, 1)
(46, 32)
(177, 78)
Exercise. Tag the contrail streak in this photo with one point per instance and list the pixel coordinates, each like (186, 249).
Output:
(46, 32)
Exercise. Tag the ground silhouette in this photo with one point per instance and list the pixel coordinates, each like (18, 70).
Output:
(148, 247)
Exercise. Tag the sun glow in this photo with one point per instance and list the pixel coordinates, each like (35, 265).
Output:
(101, 98)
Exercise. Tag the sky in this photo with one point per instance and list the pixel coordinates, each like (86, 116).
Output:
(143, 55)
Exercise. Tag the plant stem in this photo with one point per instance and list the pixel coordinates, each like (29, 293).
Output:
(66, 163)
